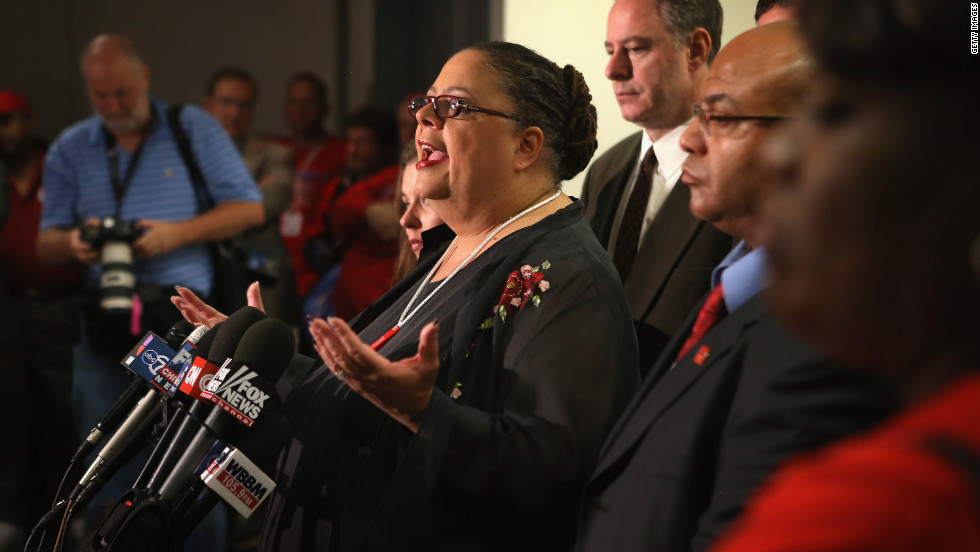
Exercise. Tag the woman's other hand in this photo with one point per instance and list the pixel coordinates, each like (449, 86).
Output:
(402, 388)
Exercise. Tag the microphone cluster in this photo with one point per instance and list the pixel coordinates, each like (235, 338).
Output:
(224, 429)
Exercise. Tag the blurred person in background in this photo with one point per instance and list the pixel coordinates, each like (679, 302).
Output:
(124, 162)
(231, 97)
(875, 255)
(360, 229)
(318, 159)
(39, 307)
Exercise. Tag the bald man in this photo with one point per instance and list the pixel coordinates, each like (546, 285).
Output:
(733, 395)
(901, 302)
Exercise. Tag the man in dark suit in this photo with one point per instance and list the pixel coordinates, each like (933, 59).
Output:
(733, 394)
(659, 51)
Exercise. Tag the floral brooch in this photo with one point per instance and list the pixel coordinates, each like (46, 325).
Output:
(523, 285)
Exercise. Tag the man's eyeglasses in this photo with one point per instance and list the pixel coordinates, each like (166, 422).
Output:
(705, 118)
(447, 107)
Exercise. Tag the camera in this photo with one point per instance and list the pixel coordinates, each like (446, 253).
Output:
(114, 237)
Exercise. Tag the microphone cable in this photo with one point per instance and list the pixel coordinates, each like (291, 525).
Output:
(59, 542)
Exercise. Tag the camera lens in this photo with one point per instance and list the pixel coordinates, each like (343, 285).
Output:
(117, 282)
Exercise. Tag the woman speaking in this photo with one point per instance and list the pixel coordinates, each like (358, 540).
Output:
(465, 409)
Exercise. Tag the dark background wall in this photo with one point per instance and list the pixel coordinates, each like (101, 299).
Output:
(366, 50)
(414, 39)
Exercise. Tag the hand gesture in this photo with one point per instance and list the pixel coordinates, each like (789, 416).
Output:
(197, 312)
(402, 388)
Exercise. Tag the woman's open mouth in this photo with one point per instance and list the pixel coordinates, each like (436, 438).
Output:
(430, 155)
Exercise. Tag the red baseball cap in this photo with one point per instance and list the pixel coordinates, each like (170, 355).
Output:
(12, 101)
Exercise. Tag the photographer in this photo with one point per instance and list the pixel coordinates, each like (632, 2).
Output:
(125, 163)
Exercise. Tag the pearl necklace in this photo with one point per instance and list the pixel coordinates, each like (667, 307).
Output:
(408, 312)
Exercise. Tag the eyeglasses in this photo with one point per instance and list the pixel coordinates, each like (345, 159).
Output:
(705, 118)
(448, 107)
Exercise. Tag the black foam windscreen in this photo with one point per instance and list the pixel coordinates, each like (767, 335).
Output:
(267, 347)
(227, 338)
(179, 332)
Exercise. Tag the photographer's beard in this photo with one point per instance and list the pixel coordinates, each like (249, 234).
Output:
(127, 121)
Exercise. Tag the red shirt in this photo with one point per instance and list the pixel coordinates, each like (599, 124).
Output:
(315, 169)
(885, 491)
(19, 262)
(369, 260)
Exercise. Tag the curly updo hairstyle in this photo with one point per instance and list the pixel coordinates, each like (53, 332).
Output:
(553, 99)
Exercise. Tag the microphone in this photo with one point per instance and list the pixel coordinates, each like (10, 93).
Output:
(202, 351)
(132, 430)
(218, 344)
(225, 341)
(183, 331)
(240, 391)
(236, 476)
(259, 360)
(167, 379)
(152, 524)
(127, 401)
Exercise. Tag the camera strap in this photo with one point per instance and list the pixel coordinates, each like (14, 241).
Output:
(119, 187)
(204, 200)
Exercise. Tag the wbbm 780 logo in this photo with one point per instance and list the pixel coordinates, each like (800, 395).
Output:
(974, 27)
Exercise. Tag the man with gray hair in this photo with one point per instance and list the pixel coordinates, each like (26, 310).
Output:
(659, 52)
(734, 394)
(124, 162)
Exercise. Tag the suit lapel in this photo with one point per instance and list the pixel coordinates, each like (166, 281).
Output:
(608, 199)
(664, 385)
(663, 245)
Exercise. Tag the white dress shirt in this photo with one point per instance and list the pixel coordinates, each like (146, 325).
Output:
(670, 160)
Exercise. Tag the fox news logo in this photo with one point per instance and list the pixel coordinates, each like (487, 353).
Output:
(242, 394)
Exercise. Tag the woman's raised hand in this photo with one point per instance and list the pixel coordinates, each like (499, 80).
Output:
(197, 312)
(401, 388)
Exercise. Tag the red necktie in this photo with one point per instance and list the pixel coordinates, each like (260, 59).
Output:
(711, 312)
(628, 239)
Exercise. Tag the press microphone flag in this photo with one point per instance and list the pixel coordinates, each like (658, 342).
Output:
(167, 379)
(127, 401)
(236, 480)
(148, 357)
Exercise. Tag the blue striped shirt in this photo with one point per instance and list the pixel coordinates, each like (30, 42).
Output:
(77, 186)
